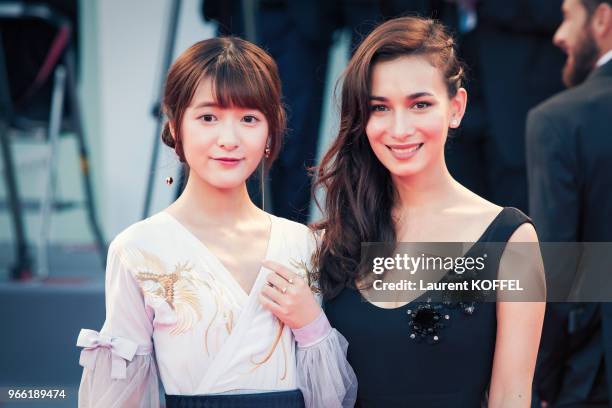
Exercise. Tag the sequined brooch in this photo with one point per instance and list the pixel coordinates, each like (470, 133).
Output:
(427, 320)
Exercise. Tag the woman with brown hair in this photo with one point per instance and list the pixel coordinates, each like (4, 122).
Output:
(186, 292)
(386, 180)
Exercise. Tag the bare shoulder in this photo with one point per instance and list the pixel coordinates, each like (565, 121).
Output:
(525, 233)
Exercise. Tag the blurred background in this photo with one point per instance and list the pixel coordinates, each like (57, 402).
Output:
(82, 159)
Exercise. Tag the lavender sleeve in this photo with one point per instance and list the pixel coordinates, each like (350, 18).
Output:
(324, 375)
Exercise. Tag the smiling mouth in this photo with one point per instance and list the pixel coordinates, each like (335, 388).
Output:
(405, 151)
(227, 160)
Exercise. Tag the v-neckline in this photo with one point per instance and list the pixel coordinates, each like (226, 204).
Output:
(482, 238)
(215, 258)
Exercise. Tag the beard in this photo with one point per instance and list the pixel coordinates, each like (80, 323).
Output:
(580, 64)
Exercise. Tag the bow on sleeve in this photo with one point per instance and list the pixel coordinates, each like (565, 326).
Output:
(122, 350)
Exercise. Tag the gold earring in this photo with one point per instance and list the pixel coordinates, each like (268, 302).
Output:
(169, 180)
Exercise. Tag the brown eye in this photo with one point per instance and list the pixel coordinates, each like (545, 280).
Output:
(208, 118)
(378, 108)
(250, 119)
(422, 105)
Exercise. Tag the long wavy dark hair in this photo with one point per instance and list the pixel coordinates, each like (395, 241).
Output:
(360, 194)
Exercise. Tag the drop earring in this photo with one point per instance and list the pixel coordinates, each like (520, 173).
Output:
(267, 151)
(262, 180)
(263, 175)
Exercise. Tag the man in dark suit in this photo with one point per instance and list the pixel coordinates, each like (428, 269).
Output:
(569, 158)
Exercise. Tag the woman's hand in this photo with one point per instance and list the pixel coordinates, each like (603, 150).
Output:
(288, 297)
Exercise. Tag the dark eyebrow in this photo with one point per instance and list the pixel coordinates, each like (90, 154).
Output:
(419, 95)
(411, 96)
(206, 104)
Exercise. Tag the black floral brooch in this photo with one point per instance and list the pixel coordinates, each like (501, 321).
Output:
(426, 320)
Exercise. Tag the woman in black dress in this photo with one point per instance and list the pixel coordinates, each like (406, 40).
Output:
(386, 181)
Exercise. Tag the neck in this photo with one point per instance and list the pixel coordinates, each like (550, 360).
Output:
(204, 204)
(427, 190)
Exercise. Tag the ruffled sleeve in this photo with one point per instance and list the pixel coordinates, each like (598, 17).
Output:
(323, 374)
(118, 362)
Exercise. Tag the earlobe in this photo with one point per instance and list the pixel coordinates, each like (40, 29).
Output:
(459, 103)
(172, 132)
(602, 20)
(607, 18)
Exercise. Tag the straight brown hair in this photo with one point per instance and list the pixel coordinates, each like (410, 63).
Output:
(243, 75)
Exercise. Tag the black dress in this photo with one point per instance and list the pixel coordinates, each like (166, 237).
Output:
(398, 366)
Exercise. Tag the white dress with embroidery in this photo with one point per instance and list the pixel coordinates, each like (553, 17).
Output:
(172, 306)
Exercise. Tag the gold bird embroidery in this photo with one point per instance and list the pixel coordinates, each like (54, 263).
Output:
(179, 288)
